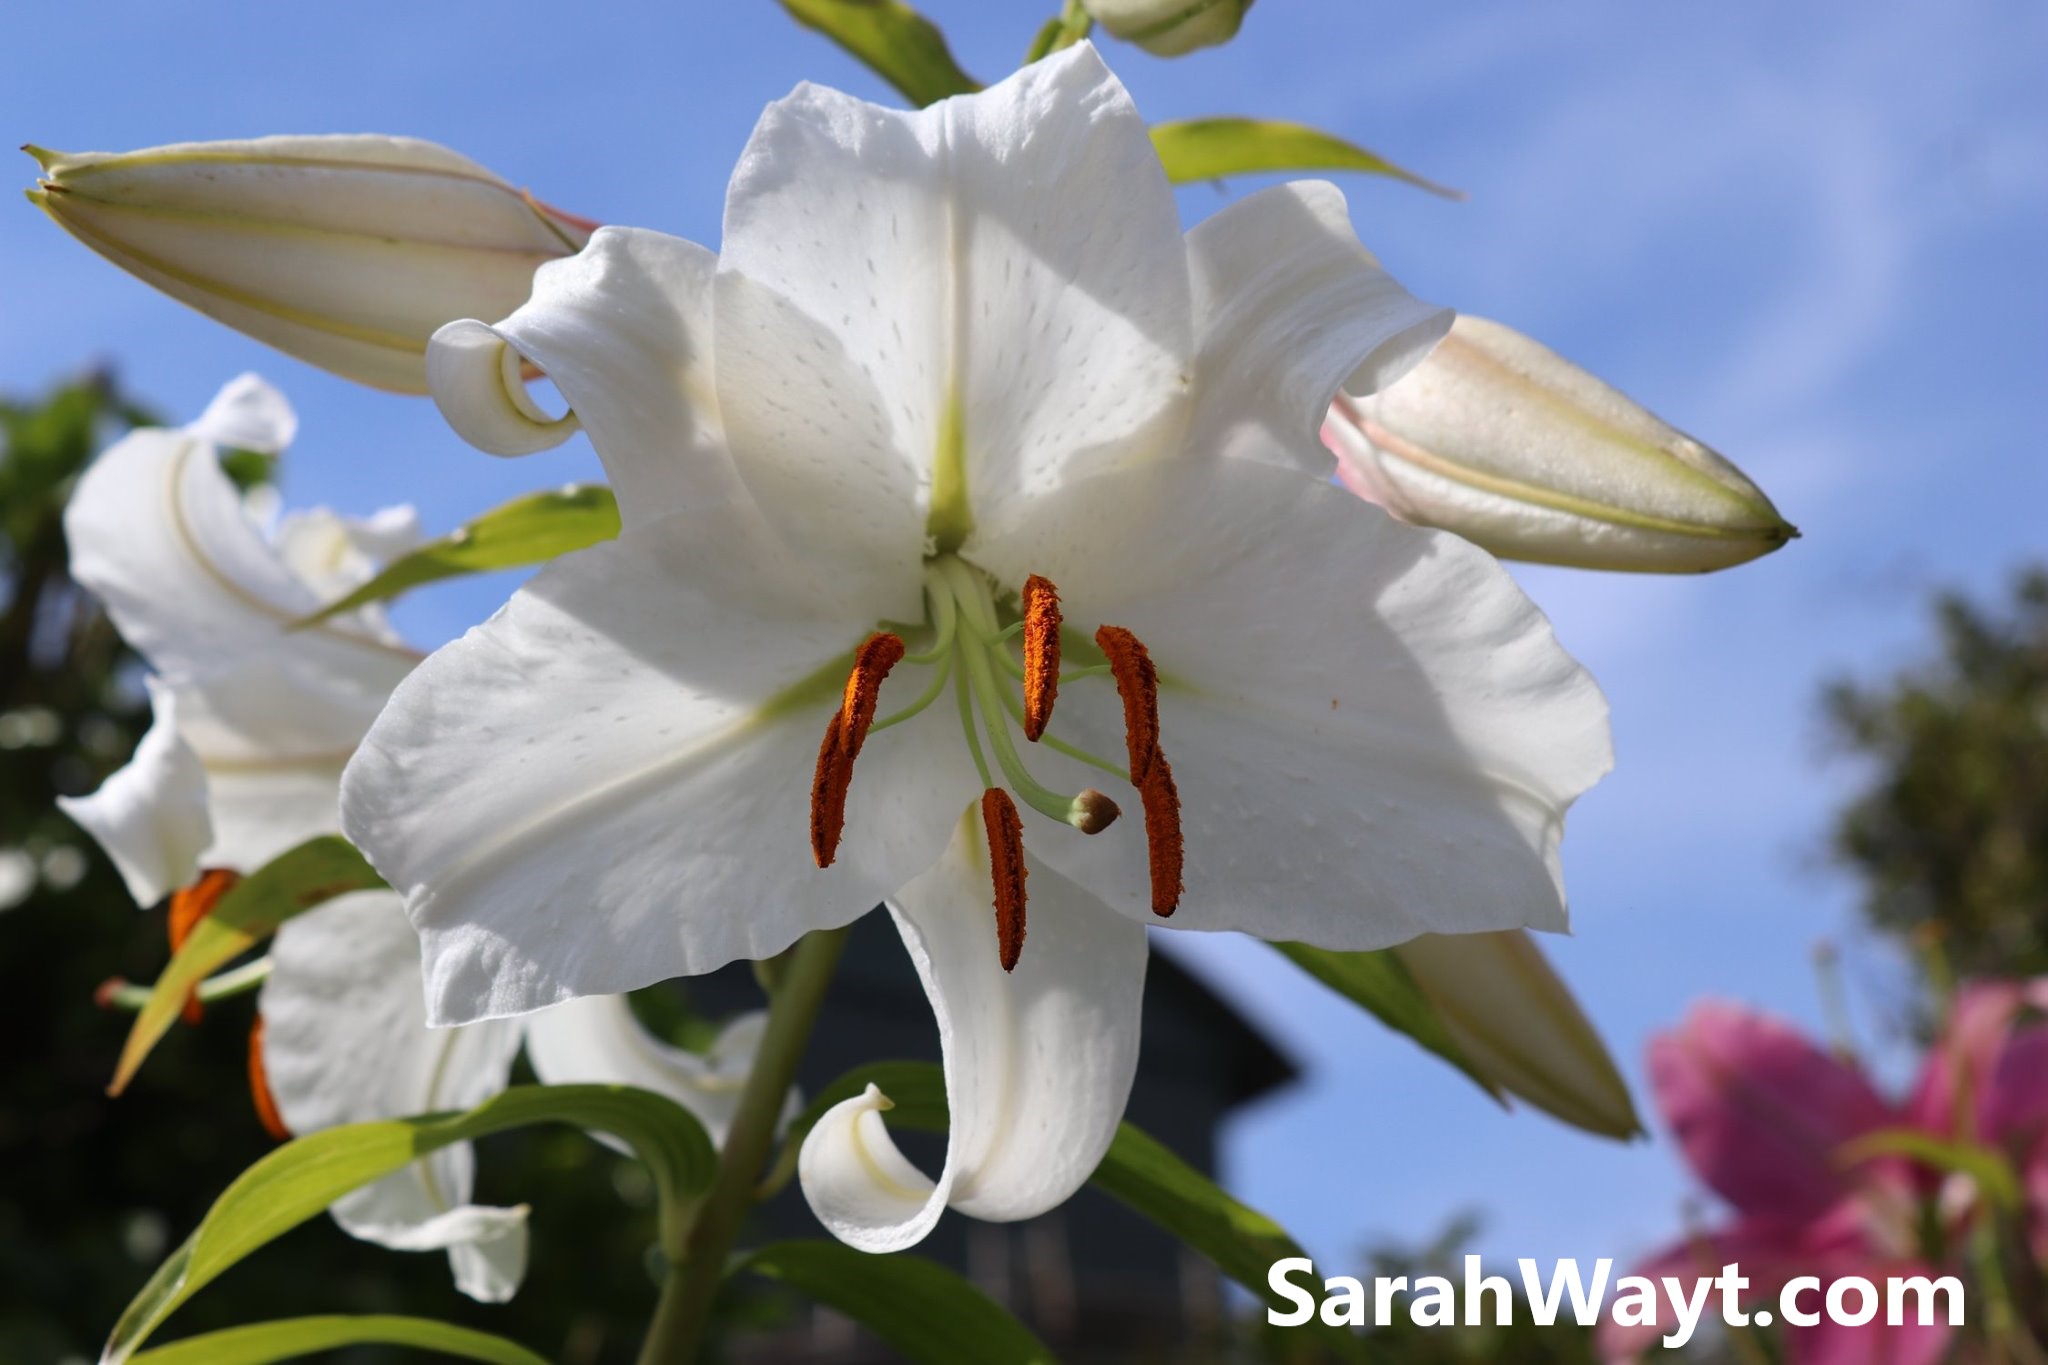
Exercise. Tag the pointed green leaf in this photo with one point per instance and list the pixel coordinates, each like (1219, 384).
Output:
(894, 41)
(303, 1177)
(1137, 1171)
(927, 1312)
(1211, 148)
(528, 530)
(294, 881)
(290, 1338)
(1379, 982)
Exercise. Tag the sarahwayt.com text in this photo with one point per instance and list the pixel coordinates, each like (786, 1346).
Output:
(1676, 1304)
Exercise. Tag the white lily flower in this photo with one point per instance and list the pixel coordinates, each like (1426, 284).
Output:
(1500, 439)
(243, 761)
(948, 359)
(344, 250)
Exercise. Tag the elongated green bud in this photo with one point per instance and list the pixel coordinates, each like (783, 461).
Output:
(1518, 1025)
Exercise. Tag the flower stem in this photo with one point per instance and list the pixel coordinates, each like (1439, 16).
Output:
(697, 1267)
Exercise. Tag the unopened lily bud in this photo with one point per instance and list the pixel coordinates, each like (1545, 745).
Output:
(1168, 28)
(1519, 1027)
(346, 251)
(1508, 444)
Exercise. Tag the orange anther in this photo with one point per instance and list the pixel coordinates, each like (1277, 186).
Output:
(1162, 834)
(1006, 868)
(844, 735)
(1137, 683)
(189, 905)
(1041, 653)
(259, 1087)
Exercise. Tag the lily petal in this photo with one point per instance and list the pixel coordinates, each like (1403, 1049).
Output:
(623, 329)
(158, 533)
(1379, 708)
(150, 816)
(1039, 1061)
(961, 331)
(248, 414)
(1758, 1110)
(1289, 308)
(596, 1040)
(345, 1040)
(609, 783)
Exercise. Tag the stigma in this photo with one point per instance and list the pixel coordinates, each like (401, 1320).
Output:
(1003, 659)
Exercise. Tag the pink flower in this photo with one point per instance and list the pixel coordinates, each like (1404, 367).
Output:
(1761, 1114)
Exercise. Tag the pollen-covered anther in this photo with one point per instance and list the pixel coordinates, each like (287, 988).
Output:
(259, 1087)
(1041, 603)
(1005, 832)
(1162, 834)
(844, 735)
(1137, 683)
(189, 905)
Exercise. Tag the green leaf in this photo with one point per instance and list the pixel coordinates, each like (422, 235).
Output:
(290, 1338)
(927, 1312)
(1382, 985)
(1211, 148)
(303, 1177)
(894, 41)
(1137, 1171)
(1986, 1166)
(294, 881)
(528, 530)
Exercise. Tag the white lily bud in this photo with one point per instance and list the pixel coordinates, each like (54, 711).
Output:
(1168, 28)
(1503, 441)
(346, 251)
(1519, 1026)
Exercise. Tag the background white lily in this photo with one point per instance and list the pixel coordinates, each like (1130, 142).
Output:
(243, 760)
(942, 351)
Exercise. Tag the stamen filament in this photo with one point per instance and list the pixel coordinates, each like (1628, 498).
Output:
(967, 725)
(1090, 812)
(259, 1087)
(945, 619)
(1058, 745)
(924, 699)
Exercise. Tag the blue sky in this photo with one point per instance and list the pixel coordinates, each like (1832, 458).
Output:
(1815, 236)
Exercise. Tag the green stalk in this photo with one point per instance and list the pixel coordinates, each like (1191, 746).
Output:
(697, 1267)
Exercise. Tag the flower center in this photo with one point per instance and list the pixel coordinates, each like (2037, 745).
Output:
(990, 664)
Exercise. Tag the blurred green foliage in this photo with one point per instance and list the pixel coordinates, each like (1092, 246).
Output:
(1949, 834)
